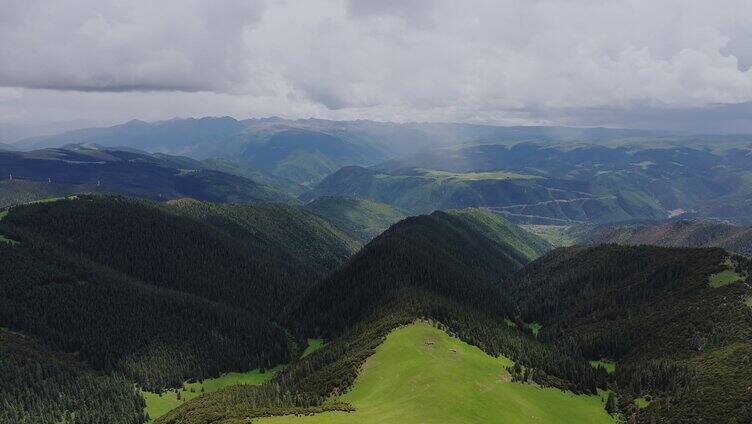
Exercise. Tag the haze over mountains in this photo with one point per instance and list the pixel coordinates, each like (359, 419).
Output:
(537, 175)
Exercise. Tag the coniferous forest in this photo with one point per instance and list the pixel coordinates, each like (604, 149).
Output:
(109, 295)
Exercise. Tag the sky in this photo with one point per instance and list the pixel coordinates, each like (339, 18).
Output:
(669, 64)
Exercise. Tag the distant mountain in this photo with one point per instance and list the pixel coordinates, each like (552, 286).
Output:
(242, 169)
(297, 150)
(75, 169)
(305, 150)
(4, 146)
(521, 197)
(362, 217)
(697, 233)
(307, 156)
(564, 184)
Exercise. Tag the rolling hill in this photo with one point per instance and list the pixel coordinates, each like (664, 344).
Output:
(57, 172)
(521, 197)
(674, 330)
(360, 216)
(461, 300)
(437, 267)
(682, 233)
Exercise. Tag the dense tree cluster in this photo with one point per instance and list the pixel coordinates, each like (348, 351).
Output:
(160, 294)
(653, 311)
(157, 337)
(41, 387)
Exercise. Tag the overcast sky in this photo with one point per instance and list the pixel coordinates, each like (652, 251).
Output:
(627, 63)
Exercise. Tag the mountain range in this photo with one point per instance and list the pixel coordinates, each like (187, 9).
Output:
(215, 271)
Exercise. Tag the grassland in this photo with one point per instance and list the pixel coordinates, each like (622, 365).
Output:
(159, 404)
(641, 402)
(609, 366)
(725, 277)
(535, 327)
(557, 235)
(422, 375)
(477, 176)
(748, 301)
(313, 345)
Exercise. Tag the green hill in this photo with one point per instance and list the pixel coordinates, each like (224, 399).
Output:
(523, 197)
(155, 337)
(419, 374)
(294, 237)
(250, 257)
(360, 216)
(653, 311)
(78, 169)
(695, 233)
(438, 267)
(191, 292)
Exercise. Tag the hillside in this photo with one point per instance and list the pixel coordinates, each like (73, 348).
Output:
(306, 156)
(695, 233)
(438, 267)
(711, 181)
(55, 172)
(660, 314)
(291, 235)
(213, 277)
(43, 387)
(155, 337)
(362, 217)
(430, 370)
(519, 196)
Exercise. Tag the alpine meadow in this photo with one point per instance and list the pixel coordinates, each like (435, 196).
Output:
(375, 212)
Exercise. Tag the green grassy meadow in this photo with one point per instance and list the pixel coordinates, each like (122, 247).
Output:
(641, 402)
(727, 276)
(477, 176)
(535, 327)
(313, 345)
(557, 235)
(422, 375)
(158, 405)
(609, 366)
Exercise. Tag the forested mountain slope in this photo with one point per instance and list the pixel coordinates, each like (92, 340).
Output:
(292, 235)
(44, 387)
(438, 267)
(360, 216)
(674, 320)
(695, 233)
(162, 292)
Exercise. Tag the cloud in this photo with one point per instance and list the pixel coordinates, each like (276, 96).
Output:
(482, 60)
(92, 45)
